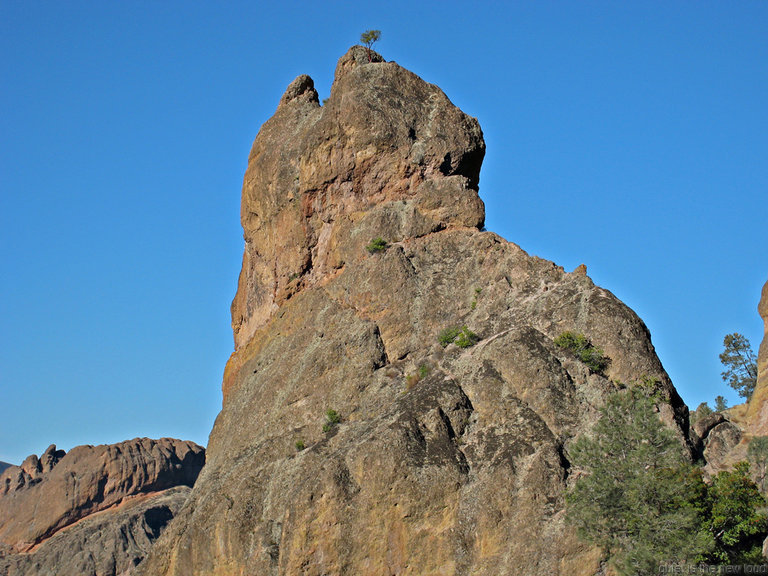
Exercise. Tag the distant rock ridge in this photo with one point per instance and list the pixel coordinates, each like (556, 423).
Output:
(105, 490)
(446, 459)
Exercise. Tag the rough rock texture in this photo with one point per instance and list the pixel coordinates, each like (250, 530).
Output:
(314, 174)
(4, 466)
(446, 460)
(757, 411)
(719, 442)
(109, 543)
(46, 494)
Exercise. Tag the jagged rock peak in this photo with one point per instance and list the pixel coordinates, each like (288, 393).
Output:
(387, 155)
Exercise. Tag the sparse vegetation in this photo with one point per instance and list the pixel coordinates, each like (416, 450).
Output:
(721, 404)
(580, 346)
(463, 337)
(473, 305)
(332, 418)
(299, 445)
(412, 379)
(369, 37)
(377, 245)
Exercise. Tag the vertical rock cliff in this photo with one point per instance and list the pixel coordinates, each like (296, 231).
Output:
(446, 459)
(757, 411)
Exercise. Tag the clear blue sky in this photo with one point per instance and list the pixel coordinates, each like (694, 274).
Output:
(629, 136)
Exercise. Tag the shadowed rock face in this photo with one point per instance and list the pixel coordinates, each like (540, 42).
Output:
(49, 493)
(110, 543)
(446, 460)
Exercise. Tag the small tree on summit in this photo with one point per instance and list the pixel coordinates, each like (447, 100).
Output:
(740, 364)
(368, 38)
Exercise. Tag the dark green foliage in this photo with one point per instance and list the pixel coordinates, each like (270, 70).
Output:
(738, 528)
(740, 365)
(721, 404)
(377, 245)
(580, 346)
(423, 371)
(299, 445)
(369, 37)
(639, 499)
(463, 337)
(332, 418)
(757, 452)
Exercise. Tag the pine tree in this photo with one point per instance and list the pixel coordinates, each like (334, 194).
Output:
(740, 363)
(638, 498)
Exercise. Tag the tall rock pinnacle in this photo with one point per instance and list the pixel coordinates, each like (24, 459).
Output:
(353, 439)
(388, 154)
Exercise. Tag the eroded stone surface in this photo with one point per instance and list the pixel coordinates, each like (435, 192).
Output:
(447, 460)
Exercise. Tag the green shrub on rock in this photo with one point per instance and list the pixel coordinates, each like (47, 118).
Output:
(377, 245)
(463, 337)
(331, 419)
(580, 346)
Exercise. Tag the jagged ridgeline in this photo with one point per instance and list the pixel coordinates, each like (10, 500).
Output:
(396, 402)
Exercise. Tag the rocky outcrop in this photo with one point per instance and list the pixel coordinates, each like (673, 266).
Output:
(719, 442)
(447, 460)
(46, 494)
(315, 173)
(109, 543)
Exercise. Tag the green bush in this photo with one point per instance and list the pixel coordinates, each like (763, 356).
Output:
(463, 337)
(331, 419)
(300, 445)
(448, 335)
(377, 245)
(580, 346)
(467, 338)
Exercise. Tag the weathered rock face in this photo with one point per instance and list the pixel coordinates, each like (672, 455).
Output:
(109, 543)
(446, 460)
(757, 411)
(49, 493)
(387, 149)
